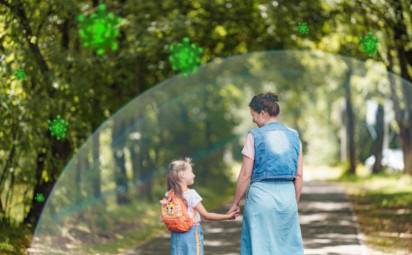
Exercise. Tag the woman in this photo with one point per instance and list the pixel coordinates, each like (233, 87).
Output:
(272, 165)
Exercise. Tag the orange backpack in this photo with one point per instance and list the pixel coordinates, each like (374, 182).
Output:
(174, 213)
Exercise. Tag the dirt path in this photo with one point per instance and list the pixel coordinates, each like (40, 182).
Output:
(327, 222)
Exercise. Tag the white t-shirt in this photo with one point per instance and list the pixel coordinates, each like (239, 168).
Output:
(193, 198)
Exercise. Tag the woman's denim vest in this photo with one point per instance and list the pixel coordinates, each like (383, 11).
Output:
(276, 152)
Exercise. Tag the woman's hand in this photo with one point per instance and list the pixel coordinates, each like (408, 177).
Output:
(234, 208)
(233, 214)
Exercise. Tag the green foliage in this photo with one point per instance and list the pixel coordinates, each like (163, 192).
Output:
(14, 239)
(6, 247)
(45, 71)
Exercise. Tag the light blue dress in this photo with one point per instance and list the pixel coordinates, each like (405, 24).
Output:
(271, 220)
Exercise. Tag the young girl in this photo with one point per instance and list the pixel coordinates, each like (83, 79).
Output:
(179, 177)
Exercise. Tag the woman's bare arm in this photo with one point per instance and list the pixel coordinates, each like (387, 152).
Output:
(299, 175)
(243, 179)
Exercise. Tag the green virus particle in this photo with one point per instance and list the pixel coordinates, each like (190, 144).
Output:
(185, 56)
(369, 44)
(20, 74)
(99, 30)
(303, 28)
(58, 127)
(39, 197)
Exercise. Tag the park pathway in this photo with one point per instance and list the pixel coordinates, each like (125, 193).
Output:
(327, 222)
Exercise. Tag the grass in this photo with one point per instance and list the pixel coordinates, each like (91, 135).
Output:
(383, 205)
(130, 233)
(14, 239)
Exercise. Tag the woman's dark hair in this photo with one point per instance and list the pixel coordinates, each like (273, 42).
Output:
(265, 102)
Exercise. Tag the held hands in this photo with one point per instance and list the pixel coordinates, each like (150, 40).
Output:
(233, 215)
(233, 212)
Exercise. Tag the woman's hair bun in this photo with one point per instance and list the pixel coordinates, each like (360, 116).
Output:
(267, 102)
(272, 96)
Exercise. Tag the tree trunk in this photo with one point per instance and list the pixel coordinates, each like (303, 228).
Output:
(404, 116)
(146, 171)
(350, 124)
(78, 179)
(400, 33)
(121, 178)
(41, 187)
(59, 150)
(96, 166)
(378, 143)
(343, 136)
(135, 157)
(9, 195)
(399, 116)
(120, 164)
(6, 171)
(17, 9)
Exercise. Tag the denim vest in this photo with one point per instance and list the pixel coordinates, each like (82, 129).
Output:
(276, 152)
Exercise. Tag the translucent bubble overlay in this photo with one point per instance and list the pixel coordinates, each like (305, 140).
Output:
(111, 187)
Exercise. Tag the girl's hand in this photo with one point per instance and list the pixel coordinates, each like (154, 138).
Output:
(232, 215)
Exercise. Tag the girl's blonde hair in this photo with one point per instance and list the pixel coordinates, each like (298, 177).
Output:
(174, 168)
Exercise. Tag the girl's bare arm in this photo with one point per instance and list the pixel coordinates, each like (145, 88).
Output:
(213, 216)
